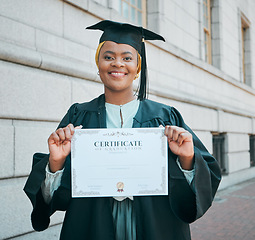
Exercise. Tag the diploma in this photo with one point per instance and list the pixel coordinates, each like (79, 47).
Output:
(119, 162)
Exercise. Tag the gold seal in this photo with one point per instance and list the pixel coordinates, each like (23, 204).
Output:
(120, 187)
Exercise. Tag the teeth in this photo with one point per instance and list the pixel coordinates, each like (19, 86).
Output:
(117, 74)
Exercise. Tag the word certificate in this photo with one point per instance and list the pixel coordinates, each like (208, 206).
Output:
(119, 162)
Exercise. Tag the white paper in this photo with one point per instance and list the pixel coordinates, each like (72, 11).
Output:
(119, 162)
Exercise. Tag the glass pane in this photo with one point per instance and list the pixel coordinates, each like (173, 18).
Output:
(139, 18)
(205, 39)
(205, 4)
(125, 10)
(139, 4)
(252, 150)
(204, 8)
(205, 21)
(206, 46)
(205, 13)
(120, 6)
(133, 2)
(133, 18)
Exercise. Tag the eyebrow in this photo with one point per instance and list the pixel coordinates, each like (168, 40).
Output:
(123, 53)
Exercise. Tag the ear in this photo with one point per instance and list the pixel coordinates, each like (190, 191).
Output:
(136, 76)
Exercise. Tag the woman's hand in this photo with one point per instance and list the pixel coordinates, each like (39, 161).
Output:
(181, 144)
(59, 144)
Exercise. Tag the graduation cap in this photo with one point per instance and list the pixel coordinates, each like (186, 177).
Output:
(132, 35)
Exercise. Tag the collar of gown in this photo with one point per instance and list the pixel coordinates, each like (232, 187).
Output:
(114, 112)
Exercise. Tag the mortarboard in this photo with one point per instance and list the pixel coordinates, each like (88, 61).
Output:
(132, 35)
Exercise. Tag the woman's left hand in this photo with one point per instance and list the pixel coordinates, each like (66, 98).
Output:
(181, 144)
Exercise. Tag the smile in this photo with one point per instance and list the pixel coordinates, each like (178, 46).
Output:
(117, 74)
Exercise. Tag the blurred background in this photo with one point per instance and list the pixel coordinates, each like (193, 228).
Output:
(205, 69)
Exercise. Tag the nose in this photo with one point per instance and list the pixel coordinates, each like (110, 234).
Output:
(117, 62)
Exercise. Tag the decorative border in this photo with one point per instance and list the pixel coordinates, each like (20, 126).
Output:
(80, 193)
(157, 191)
(119, 133)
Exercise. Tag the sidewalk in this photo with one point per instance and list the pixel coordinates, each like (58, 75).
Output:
(231, 217)
(52, 233)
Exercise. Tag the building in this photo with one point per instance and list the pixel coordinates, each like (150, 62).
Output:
(205, 69)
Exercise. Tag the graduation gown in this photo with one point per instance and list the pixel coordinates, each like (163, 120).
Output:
(157, 217)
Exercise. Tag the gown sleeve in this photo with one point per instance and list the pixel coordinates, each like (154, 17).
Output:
(191, 202)
(42, 211)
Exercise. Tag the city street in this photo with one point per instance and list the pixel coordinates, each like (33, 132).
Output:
(231, 217)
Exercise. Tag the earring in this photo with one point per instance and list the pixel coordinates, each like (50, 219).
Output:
(97, 72)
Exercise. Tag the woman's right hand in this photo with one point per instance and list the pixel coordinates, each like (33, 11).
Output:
(59, 144)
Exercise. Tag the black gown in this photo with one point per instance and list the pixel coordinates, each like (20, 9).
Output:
(157, 217)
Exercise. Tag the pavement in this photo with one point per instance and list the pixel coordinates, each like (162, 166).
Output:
(51, 233)
(231, 217)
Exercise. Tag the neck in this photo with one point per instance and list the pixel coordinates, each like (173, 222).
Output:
(119, 98)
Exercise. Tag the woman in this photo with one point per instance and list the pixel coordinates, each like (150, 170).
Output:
(193, 173)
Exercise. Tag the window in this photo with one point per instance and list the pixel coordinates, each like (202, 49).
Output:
(216, 38)
(207, 30)
(134, 11)
(252, 150)
(219, 151)
(245, 50)
(211, 39)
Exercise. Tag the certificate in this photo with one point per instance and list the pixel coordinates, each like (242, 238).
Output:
(119, 162)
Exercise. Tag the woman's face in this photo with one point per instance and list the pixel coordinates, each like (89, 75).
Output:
(117, 65)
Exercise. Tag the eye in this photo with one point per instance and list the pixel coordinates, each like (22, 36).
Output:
(108, 57)
(127, 58)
